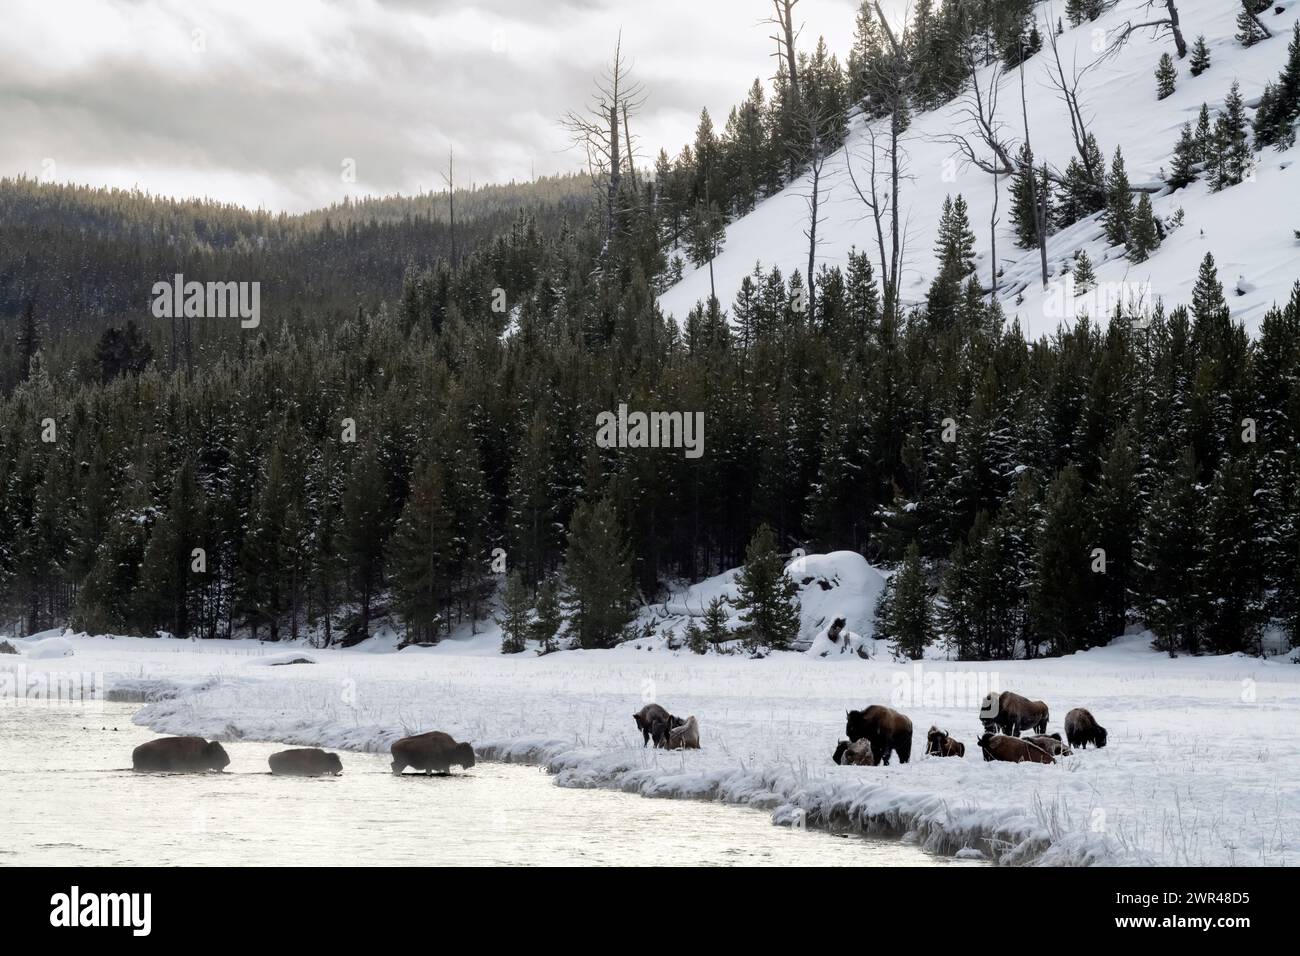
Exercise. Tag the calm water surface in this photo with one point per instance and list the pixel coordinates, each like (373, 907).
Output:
(68, 797)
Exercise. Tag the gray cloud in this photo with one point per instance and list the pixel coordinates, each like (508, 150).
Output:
(262, 103)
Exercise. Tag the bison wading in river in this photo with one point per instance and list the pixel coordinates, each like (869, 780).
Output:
(434, 752)
(179, 755)
(305, 762)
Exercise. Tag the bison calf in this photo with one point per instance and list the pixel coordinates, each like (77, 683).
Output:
(179, 755)
(1081, 729)
(1012, 749)
(685, 736)
(434, 752)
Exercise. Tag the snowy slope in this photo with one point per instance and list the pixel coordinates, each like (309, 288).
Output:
(1249, 228)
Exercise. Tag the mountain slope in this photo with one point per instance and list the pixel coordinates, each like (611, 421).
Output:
(1250, 228)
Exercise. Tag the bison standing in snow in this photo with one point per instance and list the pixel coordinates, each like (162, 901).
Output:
(1081, 729)
(1009, 713)
(885, 728)
(647, 717)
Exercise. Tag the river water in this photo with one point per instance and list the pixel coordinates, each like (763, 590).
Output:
(68, 798)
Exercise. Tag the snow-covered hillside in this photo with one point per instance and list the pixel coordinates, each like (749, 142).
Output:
(1250, 228)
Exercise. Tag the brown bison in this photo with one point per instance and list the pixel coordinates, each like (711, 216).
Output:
(685, 736)
(1051, 743)
(1081, 729)
(885, 728)
(434, 752)
(179, 755)
(1009, 713)
(645, 720)
(859, 754)
(306, 762)
(1012, 749)
(661, 730)
(840, 747)
(939, 744)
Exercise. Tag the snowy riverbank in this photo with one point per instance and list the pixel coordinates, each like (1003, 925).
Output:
(1203, 766)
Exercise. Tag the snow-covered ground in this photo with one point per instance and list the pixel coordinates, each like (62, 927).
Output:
(1249, 228)
(1203, 765)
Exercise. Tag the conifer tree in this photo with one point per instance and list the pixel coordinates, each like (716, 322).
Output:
(1207, 294)
(766, 596)
(1084, 277)
(421, 555)
(903, 616)
(1183, 170)
(1166, 77)
(1063, 602)
(1200, 61)
(1144, 234)
(598, 587)
(1172, 559)
(1249, 30)
(1119, 202)
(548, 616)
(1232, 155)
(514, 616)
(1204, 136)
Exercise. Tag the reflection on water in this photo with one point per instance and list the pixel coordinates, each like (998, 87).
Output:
(67, 798)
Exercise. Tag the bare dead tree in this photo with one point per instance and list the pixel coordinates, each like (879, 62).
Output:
(449, 177)
(1068, 89)
(1039, 204)
(596, 131)
(1167, 23)
(786, 36)
(815, 139)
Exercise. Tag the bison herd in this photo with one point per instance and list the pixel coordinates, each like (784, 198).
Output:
(877, 732)
(434, 752)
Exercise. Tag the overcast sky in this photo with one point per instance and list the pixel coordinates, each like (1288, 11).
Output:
(261, 103)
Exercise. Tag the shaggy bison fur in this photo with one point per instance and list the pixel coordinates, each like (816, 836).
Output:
(305, 762)
(1012, 749)
(1009, 713)
(884, 728)
(939, 744)
(179, 755)
(1081, 729)
(434, 752)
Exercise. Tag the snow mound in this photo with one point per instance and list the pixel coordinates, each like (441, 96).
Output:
(839, 585)
(281, 660)
(50, 648)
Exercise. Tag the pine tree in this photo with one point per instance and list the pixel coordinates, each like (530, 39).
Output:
(766, 595)
(1207, 294)
(1204, 137)
(1144, 234)
(1234, 618)
(363, 533)
(715, 621)
(1183, 169)
(29, 340)
(514, 617)
(598, 586)
(1172, 555)
(548, 616)
(1232, 155)
(1064, 597)
(903, 616)
(1249, 30)
(1119, 202)
(1166, 77)
(421, 555)
(1084, 277)
(1024, 217)
(1279, 106)
(1200, 61)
